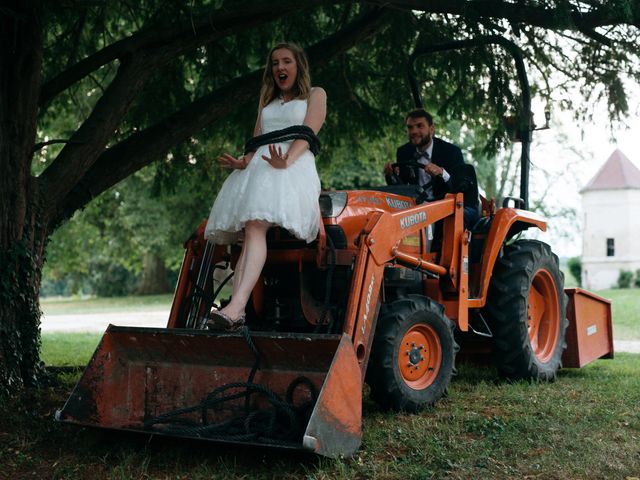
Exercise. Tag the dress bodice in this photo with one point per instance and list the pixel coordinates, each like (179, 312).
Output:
(287, 197)
(278, 115)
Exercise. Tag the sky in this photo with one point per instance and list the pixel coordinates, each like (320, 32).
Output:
(568, 155)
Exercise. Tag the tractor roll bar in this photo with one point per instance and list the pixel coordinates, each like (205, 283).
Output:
(524, 116)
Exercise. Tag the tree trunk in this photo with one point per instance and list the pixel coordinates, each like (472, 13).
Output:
(22, 231)
(154, 275)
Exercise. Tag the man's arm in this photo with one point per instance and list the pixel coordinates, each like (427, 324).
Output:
(448, 158)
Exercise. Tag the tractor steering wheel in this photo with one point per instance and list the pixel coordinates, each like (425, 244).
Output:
(413, 168)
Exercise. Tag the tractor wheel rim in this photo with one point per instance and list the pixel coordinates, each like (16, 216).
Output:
(543, 315)
(420, 356)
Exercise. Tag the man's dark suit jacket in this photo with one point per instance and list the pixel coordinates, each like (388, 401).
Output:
(446, 155)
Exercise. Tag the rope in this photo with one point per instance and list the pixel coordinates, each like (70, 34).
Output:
(290, 133)
(281, 424)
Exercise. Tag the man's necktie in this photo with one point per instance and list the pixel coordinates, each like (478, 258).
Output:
(423, 158)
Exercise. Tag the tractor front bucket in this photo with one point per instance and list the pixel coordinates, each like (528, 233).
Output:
(300, 391)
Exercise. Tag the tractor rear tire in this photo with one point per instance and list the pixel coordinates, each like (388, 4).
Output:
(413, 355)
(527, 308)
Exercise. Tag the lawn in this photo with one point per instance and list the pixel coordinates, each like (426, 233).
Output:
(585, 425)
(64, 349)
(66, 305)
(625, 306)
(77, 348)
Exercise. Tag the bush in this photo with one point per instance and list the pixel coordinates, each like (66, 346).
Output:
(624, 279)
(110, 280)
(636, 282)
(575, 267)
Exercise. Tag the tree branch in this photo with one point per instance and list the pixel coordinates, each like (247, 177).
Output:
(525, 13)
(41, 145)
(598, 37)
(90, 140)
(141, 148)
(190, 34)
(209, 22)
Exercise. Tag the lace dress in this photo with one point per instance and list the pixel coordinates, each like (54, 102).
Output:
(286, 197)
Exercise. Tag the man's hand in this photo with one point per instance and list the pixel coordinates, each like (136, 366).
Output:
(433, 170)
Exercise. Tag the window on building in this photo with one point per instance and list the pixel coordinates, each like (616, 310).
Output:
(611, 249)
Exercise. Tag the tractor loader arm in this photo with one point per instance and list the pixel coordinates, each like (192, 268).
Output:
(379, 242)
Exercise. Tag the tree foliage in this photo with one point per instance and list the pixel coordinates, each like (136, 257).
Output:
(92, 92)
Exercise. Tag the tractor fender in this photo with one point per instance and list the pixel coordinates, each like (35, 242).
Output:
(506, 223)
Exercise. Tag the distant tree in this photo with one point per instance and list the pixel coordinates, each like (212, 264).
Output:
(575, 267)
(624, 279)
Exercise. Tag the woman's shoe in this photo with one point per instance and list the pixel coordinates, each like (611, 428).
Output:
(222, 321)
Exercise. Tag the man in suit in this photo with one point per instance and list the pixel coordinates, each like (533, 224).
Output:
(444, 169)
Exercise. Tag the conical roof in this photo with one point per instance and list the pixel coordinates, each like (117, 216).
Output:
(618, 172)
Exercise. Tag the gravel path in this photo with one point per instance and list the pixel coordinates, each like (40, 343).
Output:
(98, 322)
(631, 346)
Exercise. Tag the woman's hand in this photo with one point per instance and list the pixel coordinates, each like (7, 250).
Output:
(228, 161)
(276, 158)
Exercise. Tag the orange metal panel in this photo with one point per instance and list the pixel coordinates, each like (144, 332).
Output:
(452, 229)
(391, 228)
(354, 291)
(502, 222)
(367, 313)
(463, 285)
(589, 334)
(335, 426)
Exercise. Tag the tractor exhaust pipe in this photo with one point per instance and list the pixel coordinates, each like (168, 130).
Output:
(524, 117)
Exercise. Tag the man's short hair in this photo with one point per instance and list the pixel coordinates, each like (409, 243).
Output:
(419, 113)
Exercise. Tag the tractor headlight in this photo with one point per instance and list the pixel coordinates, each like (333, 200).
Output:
(332, 203)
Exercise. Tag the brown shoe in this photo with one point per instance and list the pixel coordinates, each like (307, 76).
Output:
(222, 321)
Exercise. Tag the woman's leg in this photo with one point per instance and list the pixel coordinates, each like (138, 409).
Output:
(238, 271)
(249, 267)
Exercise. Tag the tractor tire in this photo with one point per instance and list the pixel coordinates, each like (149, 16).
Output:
(413, 355)
(527, 310)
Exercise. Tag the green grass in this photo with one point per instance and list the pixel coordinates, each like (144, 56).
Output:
(585, 425)
(62, 348)
(625, 307)
(57, 306)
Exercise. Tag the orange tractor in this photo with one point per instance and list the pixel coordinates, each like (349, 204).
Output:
(372, 299)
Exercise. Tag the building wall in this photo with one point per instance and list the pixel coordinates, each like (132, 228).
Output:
(609, 214)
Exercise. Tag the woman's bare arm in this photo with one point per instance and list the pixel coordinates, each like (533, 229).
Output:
(229, 161)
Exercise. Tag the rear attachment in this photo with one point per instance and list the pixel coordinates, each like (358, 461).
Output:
(286, 390)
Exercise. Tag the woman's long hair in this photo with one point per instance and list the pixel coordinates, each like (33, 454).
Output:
(302, 85)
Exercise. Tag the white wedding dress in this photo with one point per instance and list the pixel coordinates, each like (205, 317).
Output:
(286, 197)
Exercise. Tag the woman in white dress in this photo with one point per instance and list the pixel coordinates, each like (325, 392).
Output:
(277, 184)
